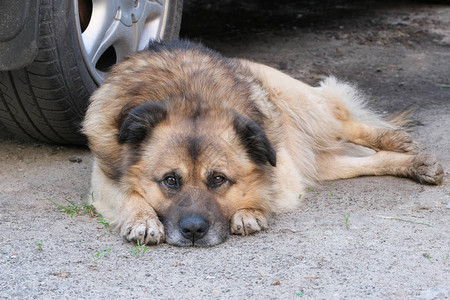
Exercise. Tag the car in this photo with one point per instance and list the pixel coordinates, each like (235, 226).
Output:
(55, 53)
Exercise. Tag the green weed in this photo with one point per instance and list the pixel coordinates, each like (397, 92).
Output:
(139, 249)
(444, 257)
(404, 220)
(347, 222)
(74, 210)
(103, 222)
(39, 245)
(100, 254)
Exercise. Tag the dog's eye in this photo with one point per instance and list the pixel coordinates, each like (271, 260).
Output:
(171, 182)
(217, 180)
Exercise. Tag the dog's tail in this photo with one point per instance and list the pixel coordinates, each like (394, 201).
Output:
(402, 119)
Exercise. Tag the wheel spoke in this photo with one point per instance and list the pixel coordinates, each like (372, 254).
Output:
(122, 39)
(149, 24)
(103, 19)
(123, 26)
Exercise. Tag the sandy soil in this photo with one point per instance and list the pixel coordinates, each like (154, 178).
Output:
(395, 245)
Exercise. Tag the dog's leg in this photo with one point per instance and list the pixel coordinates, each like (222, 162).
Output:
(329, 100)
(130, 213)
(344, 118)
(378, 139)
(139, 221)
(248, 221)
(421, 167)
(397, 153)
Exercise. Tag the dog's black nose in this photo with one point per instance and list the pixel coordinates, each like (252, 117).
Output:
(194, 227)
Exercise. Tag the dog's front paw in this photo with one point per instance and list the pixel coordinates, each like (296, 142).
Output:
(426, 169)
(248, 221)
(144, 227)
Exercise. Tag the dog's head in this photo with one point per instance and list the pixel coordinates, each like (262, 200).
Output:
(196, 166)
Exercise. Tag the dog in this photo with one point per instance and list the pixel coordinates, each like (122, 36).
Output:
(190, 146)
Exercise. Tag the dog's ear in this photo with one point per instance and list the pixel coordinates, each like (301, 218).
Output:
(138, 122)
(253, 137)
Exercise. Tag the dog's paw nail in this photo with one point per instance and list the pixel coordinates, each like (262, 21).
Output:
(427, 170)
(147, 230)
(128, 231)
(247, 221)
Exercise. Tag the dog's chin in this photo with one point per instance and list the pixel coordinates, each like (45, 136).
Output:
(215, 235)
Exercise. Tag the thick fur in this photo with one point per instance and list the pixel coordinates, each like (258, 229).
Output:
(190, 146)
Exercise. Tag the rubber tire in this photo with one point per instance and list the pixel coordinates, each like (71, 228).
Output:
(46, 101)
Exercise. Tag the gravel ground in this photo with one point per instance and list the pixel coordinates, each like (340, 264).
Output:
(364, 238)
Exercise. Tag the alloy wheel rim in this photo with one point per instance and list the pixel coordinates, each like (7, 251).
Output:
(109, 30)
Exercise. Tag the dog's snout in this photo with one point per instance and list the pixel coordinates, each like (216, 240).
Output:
(194, 227)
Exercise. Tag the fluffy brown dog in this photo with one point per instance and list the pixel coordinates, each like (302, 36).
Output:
(190, 146)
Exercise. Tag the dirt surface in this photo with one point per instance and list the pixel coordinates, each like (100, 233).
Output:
(395, 243)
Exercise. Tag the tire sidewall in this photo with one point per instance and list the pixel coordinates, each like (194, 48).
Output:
(173, 21)
(77, 77)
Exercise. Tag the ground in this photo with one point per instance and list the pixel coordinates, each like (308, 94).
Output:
(364, 238)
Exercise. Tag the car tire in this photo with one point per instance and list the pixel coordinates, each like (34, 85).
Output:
(46, 100)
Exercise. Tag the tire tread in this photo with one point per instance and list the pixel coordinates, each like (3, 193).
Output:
(35, 99)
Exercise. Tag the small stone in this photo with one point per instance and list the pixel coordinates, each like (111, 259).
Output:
(62, 274)
(75, 160)
(178, 263)
(288, 230)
